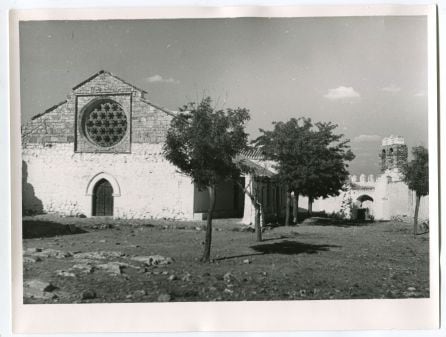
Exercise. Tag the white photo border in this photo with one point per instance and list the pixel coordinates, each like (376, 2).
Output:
(225, 316)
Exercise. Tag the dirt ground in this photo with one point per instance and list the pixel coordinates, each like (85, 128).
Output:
(73, 260)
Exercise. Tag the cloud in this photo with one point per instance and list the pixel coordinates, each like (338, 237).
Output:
(367, 138)
(341, 93)
(159, 79)
(391, 88)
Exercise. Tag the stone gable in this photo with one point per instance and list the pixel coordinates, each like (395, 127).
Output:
(147, 123)
(105, 82)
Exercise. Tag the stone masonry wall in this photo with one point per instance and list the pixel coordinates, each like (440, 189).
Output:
(57, 124)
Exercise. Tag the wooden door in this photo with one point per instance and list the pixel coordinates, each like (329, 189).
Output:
(103, 199)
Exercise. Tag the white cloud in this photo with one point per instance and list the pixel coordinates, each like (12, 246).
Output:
(367, 138)
(392, 89)
(341, 92)
(158, 78)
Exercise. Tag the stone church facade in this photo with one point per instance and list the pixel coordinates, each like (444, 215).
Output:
(99, 153)
(105, 137)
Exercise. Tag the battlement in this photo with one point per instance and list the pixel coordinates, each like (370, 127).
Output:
(363, 179)
(393, 140)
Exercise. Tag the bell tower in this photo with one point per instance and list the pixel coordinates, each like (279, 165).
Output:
(393, 153)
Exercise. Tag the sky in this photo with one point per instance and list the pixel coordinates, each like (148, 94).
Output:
(366, 74)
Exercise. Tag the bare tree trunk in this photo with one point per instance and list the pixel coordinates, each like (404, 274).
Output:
(310, 206)
(258, 228)
(287, 210)
(296, 208)
(415, 217)
(208, 238)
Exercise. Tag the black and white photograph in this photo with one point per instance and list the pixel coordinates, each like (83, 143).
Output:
(226, 159)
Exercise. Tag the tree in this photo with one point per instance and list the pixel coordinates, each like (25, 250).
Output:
(253, 196)
(252, 193)
(416, 176)
(286, 145)
(326, 168)
(203, 142)
(311, 159)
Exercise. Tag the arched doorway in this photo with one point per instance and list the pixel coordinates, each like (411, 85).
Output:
(103, 198)
(364, 207)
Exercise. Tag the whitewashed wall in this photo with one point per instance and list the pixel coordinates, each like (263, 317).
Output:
(149, 185)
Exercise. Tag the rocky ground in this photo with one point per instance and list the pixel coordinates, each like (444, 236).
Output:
(73, 260)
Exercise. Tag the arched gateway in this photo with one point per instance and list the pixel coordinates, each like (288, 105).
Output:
(364, 211)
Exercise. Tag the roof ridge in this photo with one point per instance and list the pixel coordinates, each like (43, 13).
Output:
(48, 110)
(165, 110)
(102, 71)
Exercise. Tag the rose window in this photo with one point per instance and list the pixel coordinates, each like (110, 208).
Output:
(105, 123)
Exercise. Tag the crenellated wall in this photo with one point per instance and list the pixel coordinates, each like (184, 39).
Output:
(391, 197)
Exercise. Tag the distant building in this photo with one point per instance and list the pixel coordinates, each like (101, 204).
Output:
(381, 199)
(393, 153)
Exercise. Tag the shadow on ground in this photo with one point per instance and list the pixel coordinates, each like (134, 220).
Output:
(291, 248)
(285, 247)
(321, 221)
(40, 229)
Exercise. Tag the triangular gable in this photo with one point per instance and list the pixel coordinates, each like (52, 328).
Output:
(104, 73)
(108, 76)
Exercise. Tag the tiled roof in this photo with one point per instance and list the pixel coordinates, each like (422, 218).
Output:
(253, 153)
(256, 162)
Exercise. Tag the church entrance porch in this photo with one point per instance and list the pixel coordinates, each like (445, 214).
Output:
(103, 199)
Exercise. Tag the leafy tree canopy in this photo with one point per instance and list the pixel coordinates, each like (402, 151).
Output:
(203, 142)
(326, 167)
(286, 145)
(416, 172)
(311, 157)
